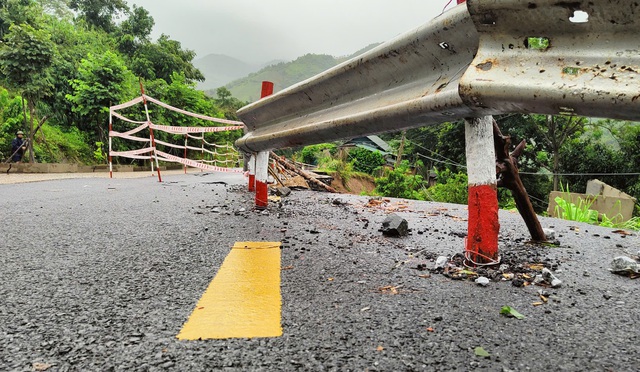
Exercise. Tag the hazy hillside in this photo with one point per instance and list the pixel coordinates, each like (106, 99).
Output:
(286, 74)
(220, 69)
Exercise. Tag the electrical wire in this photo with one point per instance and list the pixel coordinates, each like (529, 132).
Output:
(579, 174)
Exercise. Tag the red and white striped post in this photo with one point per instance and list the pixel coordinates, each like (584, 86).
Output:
(251, 167)
(482, 239)
(262, 162)
(262, 174)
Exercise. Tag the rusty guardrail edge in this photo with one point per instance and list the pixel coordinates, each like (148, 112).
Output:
(473, 60)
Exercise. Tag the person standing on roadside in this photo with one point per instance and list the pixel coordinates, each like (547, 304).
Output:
(18, 147)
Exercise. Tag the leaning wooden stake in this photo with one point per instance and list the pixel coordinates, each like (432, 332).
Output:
(286, 164)
(509, 177)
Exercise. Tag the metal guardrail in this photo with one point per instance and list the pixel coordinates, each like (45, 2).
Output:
(483, 57)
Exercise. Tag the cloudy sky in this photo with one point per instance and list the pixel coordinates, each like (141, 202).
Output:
(260, 31)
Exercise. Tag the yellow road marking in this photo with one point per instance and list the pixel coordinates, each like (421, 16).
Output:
(243, 299)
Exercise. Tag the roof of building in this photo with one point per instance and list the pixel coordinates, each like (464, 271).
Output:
(377, 142)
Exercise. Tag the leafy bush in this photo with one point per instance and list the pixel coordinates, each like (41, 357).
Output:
(341, 167)
(312, 154)
(451, 188)
(366, 161)
(400, 183)
(54, 145)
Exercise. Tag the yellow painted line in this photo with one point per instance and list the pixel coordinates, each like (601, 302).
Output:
(243, 300)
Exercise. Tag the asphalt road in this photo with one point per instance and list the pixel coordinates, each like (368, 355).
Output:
(100, 275)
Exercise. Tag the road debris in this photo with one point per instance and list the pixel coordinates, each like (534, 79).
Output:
(511, 312)
(547, 278)
(550, 234)
(395, 225)
(623, 265)
(483, 281)
(481, 352)
(283, 191)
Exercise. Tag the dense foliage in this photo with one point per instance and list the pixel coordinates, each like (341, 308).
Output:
(366, 161)
(573, 149)
(63, 63)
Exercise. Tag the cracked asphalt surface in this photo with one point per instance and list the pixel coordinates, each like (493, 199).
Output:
(100, 275)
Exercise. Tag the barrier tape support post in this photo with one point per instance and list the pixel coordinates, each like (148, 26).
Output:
(262, 162)
(153, 139)
(186, 138)
(482, 241)
(110, 158)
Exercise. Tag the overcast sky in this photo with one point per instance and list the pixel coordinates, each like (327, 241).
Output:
(260, 31)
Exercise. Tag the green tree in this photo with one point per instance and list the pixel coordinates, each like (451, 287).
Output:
(313, 153)
(366, 161)
(102, 81)
(161, 59)
(17, 12)
(228, 104)
(100, 14)
(451, 188)
(72, 45)
(401, 183)
(557, 130)
(134, 32)
(25, 58)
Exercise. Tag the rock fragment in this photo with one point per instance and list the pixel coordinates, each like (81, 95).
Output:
(395, 225)
(283, 191)
(547, 277)
(624, 266)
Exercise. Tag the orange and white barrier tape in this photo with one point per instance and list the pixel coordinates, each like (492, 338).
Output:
(192, 163)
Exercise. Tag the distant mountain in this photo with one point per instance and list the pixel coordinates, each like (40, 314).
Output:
(284, 74)
(220, 69)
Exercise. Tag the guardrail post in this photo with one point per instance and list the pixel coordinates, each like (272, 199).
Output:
(252, 172)
(262, 174)
(261, 164)
(482, 239)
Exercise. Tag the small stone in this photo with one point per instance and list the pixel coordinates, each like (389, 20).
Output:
(265, 213)
(606, 296)
(483, 281)
(549, 234)
(337, 202)
(503, 268)
(586, 273)
(517, 282)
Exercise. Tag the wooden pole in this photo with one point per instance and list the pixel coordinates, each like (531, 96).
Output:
(509, 177)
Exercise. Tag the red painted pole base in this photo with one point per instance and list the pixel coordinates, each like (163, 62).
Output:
(482, 242)
(262, 191)
(252, 182)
